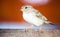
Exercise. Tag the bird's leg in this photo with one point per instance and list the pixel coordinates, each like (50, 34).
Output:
(41, 29)
(29, 27)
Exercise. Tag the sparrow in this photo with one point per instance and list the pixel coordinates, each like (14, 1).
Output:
(33, 16)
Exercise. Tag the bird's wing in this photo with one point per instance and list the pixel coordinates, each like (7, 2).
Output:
(39, 15)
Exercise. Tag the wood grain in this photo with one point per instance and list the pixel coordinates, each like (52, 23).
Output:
(29, 33)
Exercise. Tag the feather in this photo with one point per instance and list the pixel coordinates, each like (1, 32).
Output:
(39, 15)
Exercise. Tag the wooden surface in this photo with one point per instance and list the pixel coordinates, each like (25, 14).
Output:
(29, 33)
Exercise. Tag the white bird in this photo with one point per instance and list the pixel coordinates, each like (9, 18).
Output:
(33, 16)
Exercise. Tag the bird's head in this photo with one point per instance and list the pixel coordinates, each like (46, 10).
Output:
(26, 8)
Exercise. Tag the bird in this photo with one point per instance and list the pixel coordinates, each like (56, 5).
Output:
(33, 16)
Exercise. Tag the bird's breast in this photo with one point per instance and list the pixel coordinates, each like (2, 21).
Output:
(28, 17)
(32, 19)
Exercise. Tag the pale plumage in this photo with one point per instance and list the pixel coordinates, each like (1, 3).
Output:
(33, 16)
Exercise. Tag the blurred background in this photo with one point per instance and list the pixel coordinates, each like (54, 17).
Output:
(11, 14)
(10, 9)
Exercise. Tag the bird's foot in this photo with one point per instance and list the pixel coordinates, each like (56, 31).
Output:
(28, 28)
(41, 30)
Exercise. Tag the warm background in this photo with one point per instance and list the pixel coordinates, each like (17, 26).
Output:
(10, 10)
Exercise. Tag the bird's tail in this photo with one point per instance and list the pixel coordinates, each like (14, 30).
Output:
(49, 22)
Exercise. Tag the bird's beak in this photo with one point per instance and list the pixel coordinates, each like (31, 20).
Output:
(23, 10)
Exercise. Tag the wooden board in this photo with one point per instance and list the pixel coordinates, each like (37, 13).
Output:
(29, 33)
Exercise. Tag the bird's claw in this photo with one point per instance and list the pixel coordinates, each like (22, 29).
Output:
(28, 28)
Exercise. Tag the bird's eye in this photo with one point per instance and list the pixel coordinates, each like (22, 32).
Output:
(26, 7)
